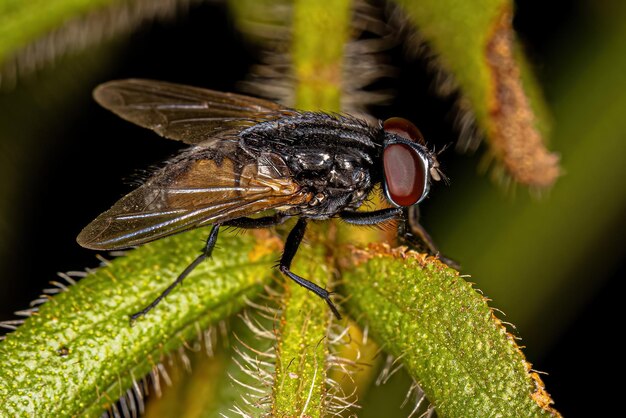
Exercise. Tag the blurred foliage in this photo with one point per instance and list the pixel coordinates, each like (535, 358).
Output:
(560, 235)
(523, 251)
(474, 45)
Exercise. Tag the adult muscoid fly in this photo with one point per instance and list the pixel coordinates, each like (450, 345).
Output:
(248, 156)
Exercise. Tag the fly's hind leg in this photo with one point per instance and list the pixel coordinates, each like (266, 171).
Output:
(206, 253)
(291, 247)
(208, 250)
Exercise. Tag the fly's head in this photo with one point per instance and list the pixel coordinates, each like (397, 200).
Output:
(409, 167)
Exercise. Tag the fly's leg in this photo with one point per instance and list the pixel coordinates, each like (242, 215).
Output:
(291, 247)
(409, 229)
(418, 231)
(252, 223)
(373, 217)
(206, 253)
(412, 231)
(246, 223)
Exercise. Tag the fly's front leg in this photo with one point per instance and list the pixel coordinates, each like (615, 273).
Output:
(206, 253)
(291, 247)
(414, 228)
(371, 218)
(411, 230)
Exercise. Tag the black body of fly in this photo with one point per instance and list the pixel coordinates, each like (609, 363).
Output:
(249, 156)
(330, 156)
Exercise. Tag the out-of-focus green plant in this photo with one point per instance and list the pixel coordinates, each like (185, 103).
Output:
(77, 355)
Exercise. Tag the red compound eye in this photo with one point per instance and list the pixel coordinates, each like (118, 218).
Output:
(403, 128)
(405, 174)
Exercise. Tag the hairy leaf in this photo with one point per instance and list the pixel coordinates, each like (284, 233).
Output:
(79, 353)
(449, 339)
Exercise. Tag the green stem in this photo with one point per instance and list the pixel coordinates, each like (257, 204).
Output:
(300, 377)
(320, 32)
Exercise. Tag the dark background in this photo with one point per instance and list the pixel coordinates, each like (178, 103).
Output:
(92, 158)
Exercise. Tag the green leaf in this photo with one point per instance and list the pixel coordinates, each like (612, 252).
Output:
(35, 33)
(565, 233)
(78, 353)
(449, 339)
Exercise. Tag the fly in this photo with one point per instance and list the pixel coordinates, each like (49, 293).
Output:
(248, 156)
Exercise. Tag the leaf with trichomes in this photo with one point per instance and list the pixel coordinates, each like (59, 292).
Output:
(78, 354)
(449, 339)
(24, 22)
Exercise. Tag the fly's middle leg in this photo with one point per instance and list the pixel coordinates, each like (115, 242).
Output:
(291, 247)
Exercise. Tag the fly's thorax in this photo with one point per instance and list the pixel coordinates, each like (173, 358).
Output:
(331, 157)
(338, 191)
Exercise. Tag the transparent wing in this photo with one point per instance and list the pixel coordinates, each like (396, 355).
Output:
(190, 193)
(185, 113)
